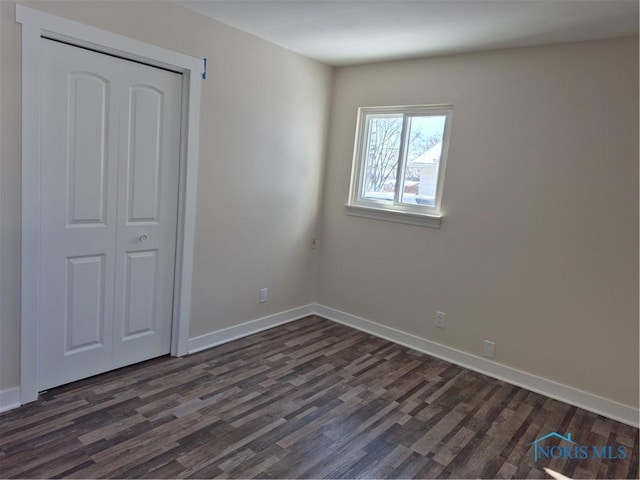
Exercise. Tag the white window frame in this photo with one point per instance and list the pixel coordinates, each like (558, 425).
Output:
(37, 24)
(422, 215)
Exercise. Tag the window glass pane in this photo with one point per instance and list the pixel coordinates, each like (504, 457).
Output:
(381, 157)
(423, 160)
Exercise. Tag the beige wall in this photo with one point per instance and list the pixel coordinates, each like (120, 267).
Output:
(538, 249)
(264, 115)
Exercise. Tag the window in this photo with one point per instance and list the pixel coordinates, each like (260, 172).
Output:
(399, 161)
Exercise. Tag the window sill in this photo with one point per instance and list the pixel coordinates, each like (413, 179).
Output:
(410, 218)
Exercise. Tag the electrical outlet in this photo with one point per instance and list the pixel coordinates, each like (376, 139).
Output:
(440, 319)
(314, 242)
(264, 295)
(489, 350)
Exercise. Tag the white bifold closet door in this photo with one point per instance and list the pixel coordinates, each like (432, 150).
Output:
(110, 149)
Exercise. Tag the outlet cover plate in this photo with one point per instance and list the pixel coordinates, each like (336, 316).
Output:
(489, 349)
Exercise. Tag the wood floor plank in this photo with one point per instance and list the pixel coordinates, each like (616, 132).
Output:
(309, 399)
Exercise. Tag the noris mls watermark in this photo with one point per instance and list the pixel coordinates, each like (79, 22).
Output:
(570, 449)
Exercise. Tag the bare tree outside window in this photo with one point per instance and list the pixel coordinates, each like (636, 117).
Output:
(384, 141)
(383, 152)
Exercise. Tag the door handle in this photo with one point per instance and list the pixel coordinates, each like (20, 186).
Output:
(143, 237)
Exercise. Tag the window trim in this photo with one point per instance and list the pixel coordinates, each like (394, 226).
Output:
(396, 212)
(388, 215)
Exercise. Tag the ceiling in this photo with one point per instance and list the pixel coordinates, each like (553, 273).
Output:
(340, 32)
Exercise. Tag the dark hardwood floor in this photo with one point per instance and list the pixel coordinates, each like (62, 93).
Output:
(310, 399)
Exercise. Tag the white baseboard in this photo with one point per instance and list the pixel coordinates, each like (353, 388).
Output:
(219, 337)
(9, 399)
(549, 388)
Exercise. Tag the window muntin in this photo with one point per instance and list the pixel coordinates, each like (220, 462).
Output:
(399, 158)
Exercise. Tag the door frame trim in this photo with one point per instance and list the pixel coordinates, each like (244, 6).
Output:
(36, 24)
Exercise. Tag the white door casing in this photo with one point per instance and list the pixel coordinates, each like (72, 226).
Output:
(35, 25)
(110, 150)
